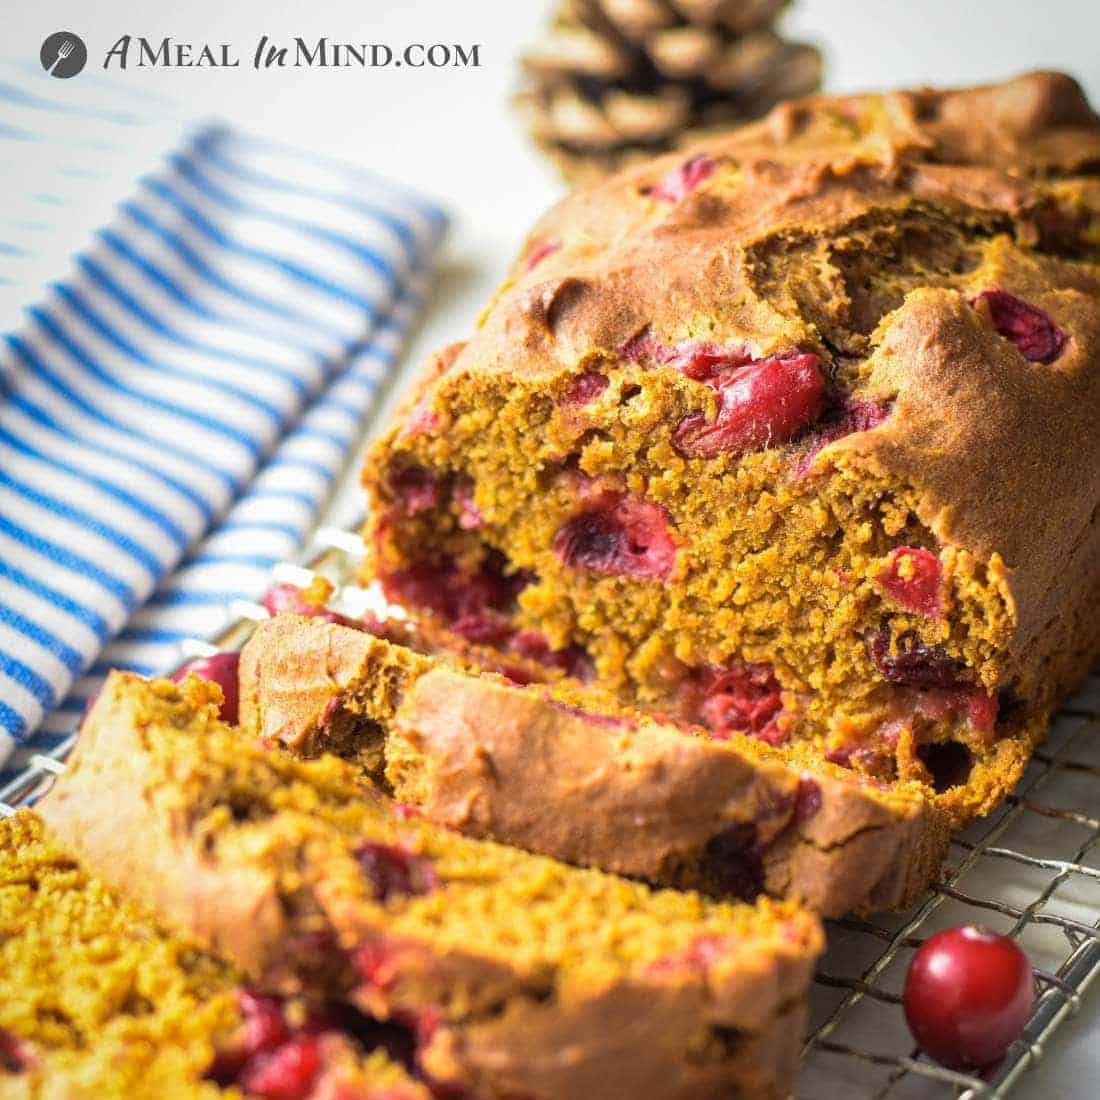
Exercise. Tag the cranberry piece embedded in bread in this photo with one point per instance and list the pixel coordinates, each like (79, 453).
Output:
(221, 669)
(14, 1057)
(915, 664)
(913, 579)
(743, 698)
(396, 872)
(416, 489)
(463, 597)
(586, 387)
(618, 535)
(807, 798)
(704, 952)
(287, 1073)
(765, 402)
(968, 995)
(469, 514)
(681, 181)
(1032, 330)
(539, 251)
(291, 600)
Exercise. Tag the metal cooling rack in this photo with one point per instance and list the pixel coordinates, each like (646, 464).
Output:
(1030, 870)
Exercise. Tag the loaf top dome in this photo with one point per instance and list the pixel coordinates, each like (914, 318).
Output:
(937, 251)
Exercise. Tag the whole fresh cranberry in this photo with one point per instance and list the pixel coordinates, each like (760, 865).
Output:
(968, 995)
(221, 669)
(765, 402)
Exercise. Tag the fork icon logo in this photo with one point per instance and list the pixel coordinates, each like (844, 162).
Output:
(63, 54)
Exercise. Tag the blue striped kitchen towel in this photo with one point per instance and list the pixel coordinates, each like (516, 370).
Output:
(234, 320)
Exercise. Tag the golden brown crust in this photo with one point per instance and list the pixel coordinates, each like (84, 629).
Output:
(600, 786)
(983, 435)
(868, 234)
(499, 955)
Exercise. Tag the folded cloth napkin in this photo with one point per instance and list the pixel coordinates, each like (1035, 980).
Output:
(246, 295)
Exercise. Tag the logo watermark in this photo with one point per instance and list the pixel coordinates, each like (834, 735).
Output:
(63, 54)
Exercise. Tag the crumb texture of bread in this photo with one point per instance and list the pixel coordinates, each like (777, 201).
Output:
(105, 1003)
(524, 977)
(805, 450)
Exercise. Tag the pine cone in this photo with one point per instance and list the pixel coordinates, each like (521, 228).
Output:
(616, 80)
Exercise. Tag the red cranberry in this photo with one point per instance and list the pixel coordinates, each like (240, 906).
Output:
(220, 669)
(573, 660)
(981, 709)
(289, 599)
(915, 664)
(539, 251)
(620, 536)
(396, 872)
(913, 579)
(769, 401)
(469, 514)
(742, 698)
(807, 798)
(585, 388)
(460, 596)
(377, 963)
(847, 416)
(415, 488)
(866, 758)
(287, 1073)
(968, 995)
(701, 360)
(1032, 330)
(699, 955)
(422, 420)
(14, 1056)
(681, 181)
(265, 1026)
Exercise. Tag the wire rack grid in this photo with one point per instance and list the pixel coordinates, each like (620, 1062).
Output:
(1030, 870)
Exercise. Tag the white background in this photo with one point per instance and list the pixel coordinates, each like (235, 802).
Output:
(450, 132)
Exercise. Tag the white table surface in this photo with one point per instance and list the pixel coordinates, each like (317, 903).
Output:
(450, 133)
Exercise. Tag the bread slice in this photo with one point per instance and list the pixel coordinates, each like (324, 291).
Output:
(516, 975)
(98, 1002)
(795, 436)
(569, 772)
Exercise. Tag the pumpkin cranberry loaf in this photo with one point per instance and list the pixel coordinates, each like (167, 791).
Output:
(795, 437)
(515, 976)
(569, 772)
(99, 1003)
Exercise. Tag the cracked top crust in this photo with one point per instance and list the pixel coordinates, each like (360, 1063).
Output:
(865, 229)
